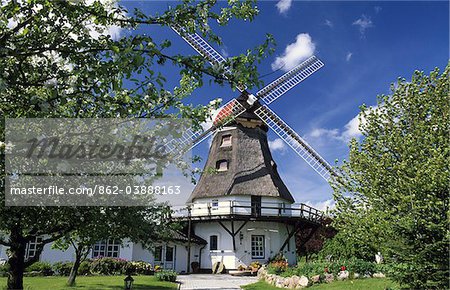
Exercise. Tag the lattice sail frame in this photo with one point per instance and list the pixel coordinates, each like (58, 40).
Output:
(297, 143)
(283, 84)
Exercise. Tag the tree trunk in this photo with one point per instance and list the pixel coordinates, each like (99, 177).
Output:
(74, 270)
(16, 260)
(80, 254)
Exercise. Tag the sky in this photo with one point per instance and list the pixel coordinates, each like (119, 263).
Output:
(366, 46)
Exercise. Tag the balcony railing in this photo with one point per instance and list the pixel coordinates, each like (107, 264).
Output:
(239, 208)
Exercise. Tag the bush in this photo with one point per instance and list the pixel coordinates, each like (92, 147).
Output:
(109, 266)
(85, 268)
(277, 267)
(166, 275)
(62, 268)
(4, 268)
(139, 268)
(43, 268)
(361, 267)
(321, 267)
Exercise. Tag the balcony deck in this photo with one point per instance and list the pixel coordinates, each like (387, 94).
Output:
(238, 210)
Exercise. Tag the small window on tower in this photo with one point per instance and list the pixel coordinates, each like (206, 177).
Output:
(222, 165)
(226, 141)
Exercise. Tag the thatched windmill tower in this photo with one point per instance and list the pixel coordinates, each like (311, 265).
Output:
(240, 207)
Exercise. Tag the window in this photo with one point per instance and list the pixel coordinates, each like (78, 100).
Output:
(158, 253)
(257, 247)
(169, 254)
(109, 248)
(213, 243)
(226, 141)
(31, 247)
(222, 165)
(215, 204)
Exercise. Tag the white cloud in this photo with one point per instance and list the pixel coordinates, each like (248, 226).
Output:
(295, 53)
(329, 23)
(348, 56)
(363, 23)
(283, 5)
(350, 130)
(277, 145)
(325, 205)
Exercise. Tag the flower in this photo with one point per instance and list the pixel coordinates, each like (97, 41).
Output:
(343, 268)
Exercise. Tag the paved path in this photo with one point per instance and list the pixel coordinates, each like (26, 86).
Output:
(211, 281)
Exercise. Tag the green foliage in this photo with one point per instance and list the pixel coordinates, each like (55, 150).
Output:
(277, 267)
(85, 268)
(109, 266)
(44, 268)
(166, 275)
(62, 268)
(347, 246)
(392, 194)
(310, 269)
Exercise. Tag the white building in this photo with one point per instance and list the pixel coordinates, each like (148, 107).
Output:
(242, 212)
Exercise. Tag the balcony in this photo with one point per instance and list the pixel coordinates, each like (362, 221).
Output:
(238, 210)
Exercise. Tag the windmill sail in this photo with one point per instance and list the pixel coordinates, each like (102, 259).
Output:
(317, 162)
(280, 86)
(204, 49)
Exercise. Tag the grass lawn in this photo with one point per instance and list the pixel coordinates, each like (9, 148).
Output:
(361, 284)
(93, 282)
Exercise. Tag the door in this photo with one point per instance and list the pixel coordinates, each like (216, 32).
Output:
(164, 256)
(256, 206)
(169, 258)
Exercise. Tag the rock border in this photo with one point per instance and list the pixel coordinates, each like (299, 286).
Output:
(299, 282)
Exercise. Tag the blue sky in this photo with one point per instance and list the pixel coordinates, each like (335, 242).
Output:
(365, 46)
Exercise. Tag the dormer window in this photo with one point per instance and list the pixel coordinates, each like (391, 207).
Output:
(226, 141)
(222, 165)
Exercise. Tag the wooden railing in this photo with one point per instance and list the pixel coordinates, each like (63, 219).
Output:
(239, 208)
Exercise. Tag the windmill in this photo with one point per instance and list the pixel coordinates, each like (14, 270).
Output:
(258, 105)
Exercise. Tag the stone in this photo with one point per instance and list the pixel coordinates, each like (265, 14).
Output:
(355, 276)
(279, 282)
(303, 281)
(343, 275)
(287, 282)
(379, 275)
(329, 278)
(315, 279)
(293, 281)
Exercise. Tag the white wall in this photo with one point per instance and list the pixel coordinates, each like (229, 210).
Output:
(274, 233)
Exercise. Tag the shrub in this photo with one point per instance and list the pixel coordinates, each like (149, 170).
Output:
(4, 268)
(277, 267)
(109, 266)
(362, 267)
(85, 268)
(166, 275)
(62, 268)
(41, 268)
(139, 268)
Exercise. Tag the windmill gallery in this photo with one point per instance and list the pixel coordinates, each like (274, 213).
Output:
(242, 213)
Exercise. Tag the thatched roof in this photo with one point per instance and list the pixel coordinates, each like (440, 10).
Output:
(251, 169)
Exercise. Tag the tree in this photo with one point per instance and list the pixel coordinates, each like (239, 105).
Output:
(311, 241)
(57, 59)
(392, 194)
(118, 225)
